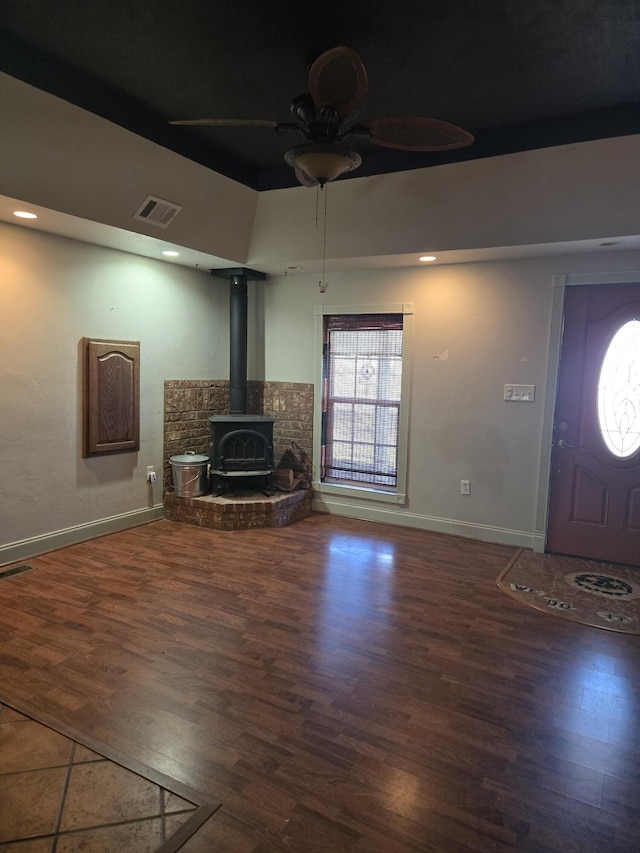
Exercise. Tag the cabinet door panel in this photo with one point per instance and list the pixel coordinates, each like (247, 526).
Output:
(111, 396)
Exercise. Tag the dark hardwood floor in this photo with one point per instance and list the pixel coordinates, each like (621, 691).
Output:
(338, 685)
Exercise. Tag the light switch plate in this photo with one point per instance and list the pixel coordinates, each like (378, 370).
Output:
(520, 393)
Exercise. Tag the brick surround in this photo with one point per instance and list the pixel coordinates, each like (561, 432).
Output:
(188, 405)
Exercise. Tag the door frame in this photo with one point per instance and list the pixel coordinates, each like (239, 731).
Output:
(560, 282)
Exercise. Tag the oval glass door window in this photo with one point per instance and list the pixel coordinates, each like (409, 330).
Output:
(619, 392)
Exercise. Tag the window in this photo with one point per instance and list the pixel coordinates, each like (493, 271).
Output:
(619, 392)
(363, 400)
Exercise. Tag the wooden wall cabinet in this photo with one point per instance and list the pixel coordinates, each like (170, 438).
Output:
(111, 396)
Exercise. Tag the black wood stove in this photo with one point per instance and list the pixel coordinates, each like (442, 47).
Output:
(241, 448)
(241, 453)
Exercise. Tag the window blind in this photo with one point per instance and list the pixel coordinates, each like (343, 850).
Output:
(362, 393)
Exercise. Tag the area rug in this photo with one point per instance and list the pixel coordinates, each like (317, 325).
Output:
(603, 595)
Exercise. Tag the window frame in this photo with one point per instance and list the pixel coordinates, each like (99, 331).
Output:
(397, 495)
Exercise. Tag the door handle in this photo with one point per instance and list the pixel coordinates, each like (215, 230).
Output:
(563, 443)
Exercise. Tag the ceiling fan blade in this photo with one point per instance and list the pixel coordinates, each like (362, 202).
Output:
(229, 122)
(418, 134)
(338, 79)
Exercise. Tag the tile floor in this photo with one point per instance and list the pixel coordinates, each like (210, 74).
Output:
(58, 796)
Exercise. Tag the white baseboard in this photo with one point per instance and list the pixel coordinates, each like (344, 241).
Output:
(482, 532)
(69, 536)
(538, 542)
(26, 548)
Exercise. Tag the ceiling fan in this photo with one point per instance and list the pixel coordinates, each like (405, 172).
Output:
(328, 113)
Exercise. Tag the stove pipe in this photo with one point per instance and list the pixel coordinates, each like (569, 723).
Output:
(238, 334)
(238, 345)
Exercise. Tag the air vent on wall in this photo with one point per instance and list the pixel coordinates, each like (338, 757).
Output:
(157, 211)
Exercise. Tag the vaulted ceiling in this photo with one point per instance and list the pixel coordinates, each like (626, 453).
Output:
(517, 74)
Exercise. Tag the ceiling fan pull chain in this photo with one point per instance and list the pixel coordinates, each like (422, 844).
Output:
(323, 282)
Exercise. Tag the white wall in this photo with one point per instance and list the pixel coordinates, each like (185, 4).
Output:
(477, 327)
(492, 320)
(67, 159)
(54, 292)
(570, 192)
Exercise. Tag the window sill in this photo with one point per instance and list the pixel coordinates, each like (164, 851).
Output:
(359, 492)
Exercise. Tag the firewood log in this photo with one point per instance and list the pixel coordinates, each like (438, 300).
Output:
(283, 477)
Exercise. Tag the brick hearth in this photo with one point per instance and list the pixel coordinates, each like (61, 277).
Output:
(239, 513)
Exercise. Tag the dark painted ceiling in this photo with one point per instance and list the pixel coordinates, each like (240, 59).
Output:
(518, 74)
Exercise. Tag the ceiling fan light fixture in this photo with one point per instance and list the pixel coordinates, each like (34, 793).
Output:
(322, 162)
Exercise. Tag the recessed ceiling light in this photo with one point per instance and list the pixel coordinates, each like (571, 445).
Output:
(170, 254)
(24, 214)
(427, 258)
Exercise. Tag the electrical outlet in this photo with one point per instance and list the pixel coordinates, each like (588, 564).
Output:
(151, 474)
(465, 487)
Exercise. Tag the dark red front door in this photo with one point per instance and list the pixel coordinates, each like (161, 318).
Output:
(594, 505)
